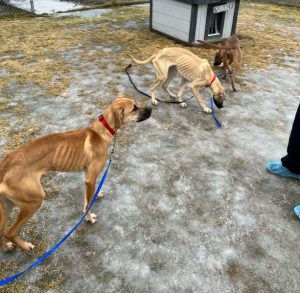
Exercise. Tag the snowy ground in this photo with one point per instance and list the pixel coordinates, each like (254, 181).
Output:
(45, 6)
(187, 207)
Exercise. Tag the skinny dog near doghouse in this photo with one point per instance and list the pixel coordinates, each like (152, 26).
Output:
(195, 72)
(229, 54)
(78, 150)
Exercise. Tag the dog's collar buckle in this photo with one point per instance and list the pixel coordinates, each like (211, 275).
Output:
(106, 125)
(212, 80)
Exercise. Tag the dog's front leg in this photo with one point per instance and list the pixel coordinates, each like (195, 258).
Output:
(195, 89)
(90, 189)
(90, 182)
(171, 75)
(162, 72)
(225, 67)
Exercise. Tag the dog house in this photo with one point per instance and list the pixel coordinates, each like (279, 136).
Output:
(192, 20)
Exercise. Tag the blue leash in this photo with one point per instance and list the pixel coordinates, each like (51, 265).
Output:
(62, 240)
(230, 71)
(217, 122)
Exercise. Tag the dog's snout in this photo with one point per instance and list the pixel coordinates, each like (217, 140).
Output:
(218, 103)
(145, 113)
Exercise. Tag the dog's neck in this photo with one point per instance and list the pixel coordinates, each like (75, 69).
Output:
(214, 77)
(215, 86)
(106, 125)
(106, 128)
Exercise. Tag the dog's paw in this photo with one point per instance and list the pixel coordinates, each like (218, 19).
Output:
(183, 105)
(173, 96)
(91, 218)
(154, 102)
(207, 111)
(26, 246)
(9, 246)
(101, 194)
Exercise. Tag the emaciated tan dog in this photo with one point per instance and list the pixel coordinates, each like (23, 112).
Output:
(229, 53)
(195, 72)
(78, 150)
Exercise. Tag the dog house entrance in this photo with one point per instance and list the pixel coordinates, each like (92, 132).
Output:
(214, 23)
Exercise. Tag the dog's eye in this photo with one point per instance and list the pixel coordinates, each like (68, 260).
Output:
(135, 108)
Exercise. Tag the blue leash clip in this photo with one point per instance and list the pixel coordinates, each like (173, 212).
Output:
(63, 239)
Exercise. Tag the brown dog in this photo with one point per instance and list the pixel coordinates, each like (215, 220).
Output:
(78, 150)
(229, 53)
(195, 73)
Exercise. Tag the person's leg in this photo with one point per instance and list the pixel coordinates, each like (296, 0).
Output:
(292, 160)
(289, 166)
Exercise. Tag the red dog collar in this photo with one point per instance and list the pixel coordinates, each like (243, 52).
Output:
(104, 122)
(213, 79)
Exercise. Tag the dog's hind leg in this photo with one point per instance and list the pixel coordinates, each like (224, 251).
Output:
(4, 214)
(153, 86)
(26, 212)
(237, 59)
(161, 77)
(28, 201)
(183, 85)
(172, 73)
(233, 77)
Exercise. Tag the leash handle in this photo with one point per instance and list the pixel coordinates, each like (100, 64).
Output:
(217, 122)
(126, 70)
(64, 238)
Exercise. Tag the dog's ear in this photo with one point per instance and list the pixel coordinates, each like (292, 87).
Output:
(119, 116)
(121, 113)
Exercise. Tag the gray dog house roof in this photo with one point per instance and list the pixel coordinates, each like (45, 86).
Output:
(203, 1)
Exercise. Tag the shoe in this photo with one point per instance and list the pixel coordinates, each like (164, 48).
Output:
(278, 169)
(297, 211)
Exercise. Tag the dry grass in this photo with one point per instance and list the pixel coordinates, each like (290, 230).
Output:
(267, 32)
(34, 47)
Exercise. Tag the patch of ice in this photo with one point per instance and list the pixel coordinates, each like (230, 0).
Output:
(85, 13)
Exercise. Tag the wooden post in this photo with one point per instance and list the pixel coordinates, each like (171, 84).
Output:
(32, 6)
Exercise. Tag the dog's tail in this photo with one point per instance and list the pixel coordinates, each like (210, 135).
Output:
(215, 46)
(144, 61)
